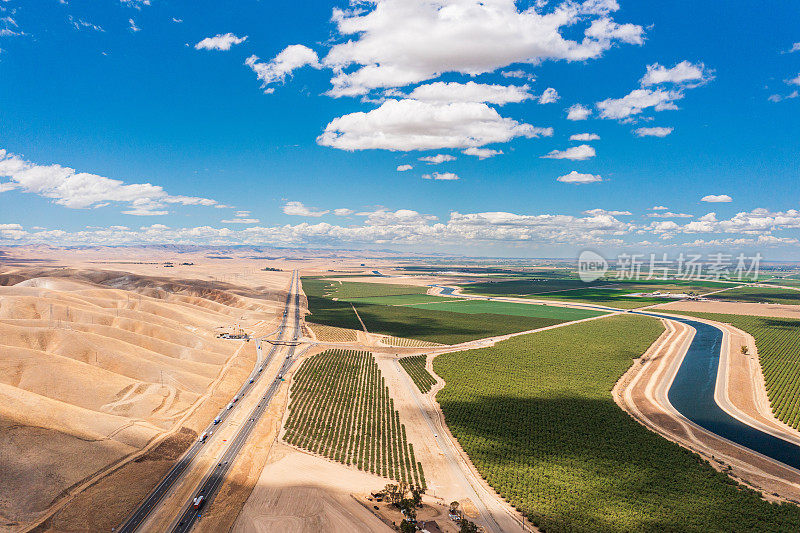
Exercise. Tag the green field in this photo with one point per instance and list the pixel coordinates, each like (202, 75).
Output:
(340, 408)
(415, 323)
(400, 299)
(354, 289)
(509, 308)
(536, 417)
(778, 344)
(415, 367)
(610, 297)
(758, 294)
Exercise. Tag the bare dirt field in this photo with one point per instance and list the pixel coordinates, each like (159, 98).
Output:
(733, 308)
(302, 493)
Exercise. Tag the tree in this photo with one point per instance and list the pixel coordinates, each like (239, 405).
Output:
(416, 495)
(745, 350)
(392, 493)
(467, 527)
(454, 506)
(407, 527)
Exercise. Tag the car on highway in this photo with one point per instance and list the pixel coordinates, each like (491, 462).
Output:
(216, 421)
(251, 380)
(203, 437)
(229, 406)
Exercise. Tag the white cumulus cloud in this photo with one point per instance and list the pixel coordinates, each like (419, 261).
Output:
(282, 65)
(578, 178)
(406, 125)
(222, 41)
(81, 190)
(574, 153)
(584, 137)
(436, 159)
(653, 132)
(403, 168)
(638, 100)
(578, 112)
(716, 198)
(394, 43)
(481, 153)
(684, 73)
(549, 96)
(298, 209)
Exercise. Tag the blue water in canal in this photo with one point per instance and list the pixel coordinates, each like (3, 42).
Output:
(692, 394)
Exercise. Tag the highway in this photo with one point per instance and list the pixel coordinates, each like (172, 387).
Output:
(136, 519)
(215, 477)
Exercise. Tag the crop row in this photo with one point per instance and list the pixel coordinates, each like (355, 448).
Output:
(340, 408)
(415, 366)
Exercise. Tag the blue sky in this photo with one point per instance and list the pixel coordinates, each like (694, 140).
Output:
(206, 146)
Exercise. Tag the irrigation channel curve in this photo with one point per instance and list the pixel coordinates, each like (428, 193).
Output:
(692, 395)
(152, 500)
(216, 475)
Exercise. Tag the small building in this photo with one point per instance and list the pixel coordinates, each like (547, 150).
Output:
(429, 526)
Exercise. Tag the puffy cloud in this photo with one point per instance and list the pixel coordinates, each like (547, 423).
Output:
(441, 92)
(282, 65)
(481, 153)
(795, 47)
(448, 176)
(403, 168)
(684, 73)
(343, 212)
(549, 96)
(438, 158)
(132, 26)
(794, 81)
(578, 112)
(413, 125)
(394, 43)
(716, 198)
(584, 137)
(81, 190)
(638, 100)
(222, 41)
(578, 178)
(298, 209)
(659, 208)
(573, 153)
(653, 132)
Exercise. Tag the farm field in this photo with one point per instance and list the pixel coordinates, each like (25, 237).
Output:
(612, 292)
(761, 295)
(611, 297)
(399, 299)
(778, 344)
(415, 323)
(508, 308)
(354, 289)
(415, 367)
(341, 409)
(536, 416)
